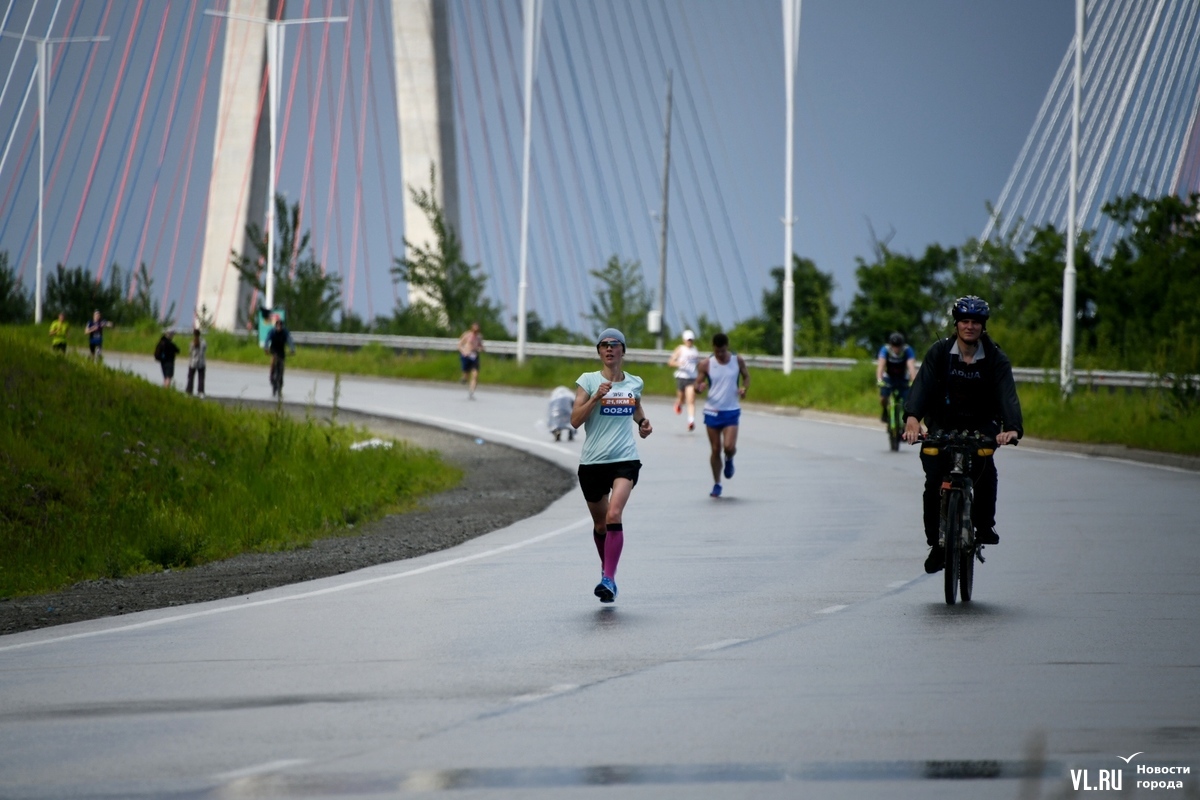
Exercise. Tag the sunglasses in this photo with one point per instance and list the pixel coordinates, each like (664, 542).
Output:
(609, 343)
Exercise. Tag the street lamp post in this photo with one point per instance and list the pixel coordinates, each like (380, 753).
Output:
(791, 44)
(275, 29)
(1067, 359)
(43, 66)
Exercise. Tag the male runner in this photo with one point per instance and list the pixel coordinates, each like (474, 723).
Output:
(723, 370)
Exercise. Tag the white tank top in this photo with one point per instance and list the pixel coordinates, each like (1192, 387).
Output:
(723, 385)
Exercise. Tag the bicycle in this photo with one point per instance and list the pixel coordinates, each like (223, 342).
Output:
(276, 376)
(895, 419)
(956, 533)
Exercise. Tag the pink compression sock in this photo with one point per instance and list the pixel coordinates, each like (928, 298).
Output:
(613, 542)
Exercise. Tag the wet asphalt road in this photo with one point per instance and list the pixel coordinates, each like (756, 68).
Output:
(782, 641)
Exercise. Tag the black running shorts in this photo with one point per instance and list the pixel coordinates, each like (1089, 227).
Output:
(596, 480)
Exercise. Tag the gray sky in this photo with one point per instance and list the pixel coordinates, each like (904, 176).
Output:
(910, 116)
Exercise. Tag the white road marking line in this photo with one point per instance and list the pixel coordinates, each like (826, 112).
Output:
(558, 688)
(208, 612)
(721, 644)
(260, 769)
(899, 584)
(832, 609)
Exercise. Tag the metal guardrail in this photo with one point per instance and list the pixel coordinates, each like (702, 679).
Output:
(581, 352)
(352, 341)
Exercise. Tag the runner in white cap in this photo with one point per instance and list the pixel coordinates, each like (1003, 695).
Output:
(684, 359)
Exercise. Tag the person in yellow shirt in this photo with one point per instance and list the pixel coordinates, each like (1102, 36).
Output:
(58, 333)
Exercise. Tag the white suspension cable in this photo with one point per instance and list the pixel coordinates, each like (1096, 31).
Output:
(17, 54)
(1099, 113)
(1130, 84)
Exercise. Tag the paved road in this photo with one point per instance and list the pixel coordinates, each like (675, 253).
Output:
(780, 642)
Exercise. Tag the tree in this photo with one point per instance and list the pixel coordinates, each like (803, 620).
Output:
(310, 297)
(16, 304)
(1023, 285)
(1148, 297)
(813, 313)
(125, 300)
(902, 293)
(536, 331)
(622, 302)
(813, 310)
(450, 291)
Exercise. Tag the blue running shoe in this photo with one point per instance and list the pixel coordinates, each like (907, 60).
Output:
(606, 590)
(729, 467)
(716, 492)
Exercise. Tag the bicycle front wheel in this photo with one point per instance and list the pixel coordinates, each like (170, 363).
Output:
(895, 423)
(966, 573)
(952, 522)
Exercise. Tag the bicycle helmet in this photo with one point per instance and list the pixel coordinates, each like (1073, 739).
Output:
(970, 307)
(896, 339)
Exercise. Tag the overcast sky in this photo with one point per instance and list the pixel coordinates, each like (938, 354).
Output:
(910, 116)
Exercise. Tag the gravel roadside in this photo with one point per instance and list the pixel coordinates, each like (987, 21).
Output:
(500, 486)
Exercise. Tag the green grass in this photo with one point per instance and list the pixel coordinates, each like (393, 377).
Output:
(1147, 419)
(103, 474)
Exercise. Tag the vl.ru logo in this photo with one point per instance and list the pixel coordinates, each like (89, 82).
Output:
(1149, 776)
(1106, 780)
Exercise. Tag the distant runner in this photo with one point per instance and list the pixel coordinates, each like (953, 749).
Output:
(722, 411)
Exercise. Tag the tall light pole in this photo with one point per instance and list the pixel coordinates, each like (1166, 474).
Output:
(275, 30)
(533, 23)
(1067, 361)
(791, 46)
(43, 66)
(662, 241)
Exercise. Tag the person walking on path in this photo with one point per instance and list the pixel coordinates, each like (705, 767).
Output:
(165, 354)
(684, 359)
(605, 402)
(197, 361)
(722, 371)
(95, 334)
(470, 345)
(58, 333)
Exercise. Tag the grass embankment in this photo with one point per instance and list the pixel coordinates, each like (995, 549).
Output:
(1142, 418)
(104, 475)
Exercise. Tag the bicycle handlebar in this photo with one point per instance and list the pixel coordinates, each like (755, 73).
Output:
(961, 439)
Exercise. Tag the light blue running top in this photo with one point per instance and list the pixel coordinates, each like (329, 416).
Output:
(609, 428)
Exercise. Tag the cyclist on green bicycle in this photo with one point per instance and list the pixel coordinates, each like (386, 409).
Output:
(895, 369)
(965, 384)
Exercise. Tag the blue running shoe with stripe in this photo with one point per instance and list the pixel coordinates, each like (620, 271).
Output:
(729, 467)
(716, 492)
(606, 590)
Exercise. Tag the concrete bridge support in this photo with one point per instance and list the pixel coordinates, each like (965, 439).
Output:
(241, 147)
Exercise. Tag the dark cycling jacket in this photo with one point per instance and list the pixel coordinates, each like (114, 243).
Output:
(929, 398)
(278, 341)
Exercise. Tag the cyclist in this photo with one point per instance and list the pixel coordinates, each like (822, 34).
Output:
(279, 342)
(895, 369)
(965, 384)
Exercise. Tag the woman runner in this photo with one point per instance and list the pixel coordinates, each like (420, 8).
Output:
(605, 402)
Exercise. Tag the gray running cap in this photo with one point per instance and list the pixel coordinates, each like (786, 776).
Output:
(611, 333)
